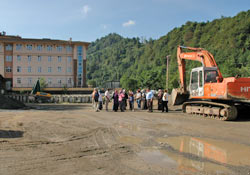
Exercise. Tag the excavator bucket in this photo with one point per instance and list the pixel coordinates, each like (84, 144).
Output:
(178, 97)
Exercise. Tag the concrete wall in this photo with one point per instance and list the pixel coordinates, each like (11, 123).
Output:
(56, 98)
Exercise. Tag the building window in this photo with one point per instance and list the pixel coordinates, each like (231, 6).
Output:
(8, 69)
(59, 81)
(69, 80)
(39, 47)
(69, 69)
(29, 46)
(18, 46)
(49, 69)
(29, 68)
(59, 59)
(19, 69)
(29, 58)
(0, 46)
(49, 58)
(79, 71)
(39, 58)
(39, 69)
(69, 59)
(79, 50)
(79, 81)
(49, 81)
(79, 67)
(8, 58)
(49, 47)
(59, 69)
(18, 80)
(29, 80)
(59, 48)
(18, 57)
(68, 48)
(8, 47)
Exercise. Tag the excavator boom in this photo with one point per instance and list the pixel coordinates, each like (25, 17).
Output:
(197, 54)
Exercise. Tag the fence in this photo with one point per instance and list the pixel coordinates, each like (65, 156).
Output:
(56, 98)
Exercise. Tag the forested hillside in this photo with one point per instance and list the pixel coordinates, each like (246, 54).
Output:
(142, 63)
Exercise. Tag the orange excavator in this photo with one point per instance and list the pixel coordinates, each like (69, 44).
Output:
(209, 94)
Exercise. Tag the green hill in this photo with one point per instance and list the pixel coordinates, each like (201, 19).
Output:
(138, 63)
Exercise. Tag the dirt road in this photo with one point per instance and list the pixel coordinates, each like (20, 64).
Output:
(72, 139)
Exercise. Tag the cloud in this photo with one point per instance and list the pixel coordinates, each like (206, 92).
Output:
(129, 23)
(85, 10)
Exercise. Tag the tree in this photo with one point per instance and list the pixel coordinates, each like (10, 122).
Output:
(92, 83)
(43, 83)
(129, 83)
(114, 58)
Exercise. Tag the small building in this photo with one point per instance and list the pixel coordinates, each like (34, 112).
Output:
(112, 84)
(61, 63)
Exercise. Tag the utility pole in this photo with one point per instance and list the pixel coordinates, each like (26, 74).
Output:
(168, 57)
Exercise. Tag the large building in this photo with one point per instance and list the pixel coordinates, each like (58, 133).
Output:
(23, 61)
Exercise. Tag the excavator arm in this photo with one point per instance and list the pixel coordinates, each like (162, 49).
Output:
(196, 54)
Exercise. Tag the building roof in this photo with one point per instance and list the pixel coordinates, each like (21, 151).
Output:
(12, 39)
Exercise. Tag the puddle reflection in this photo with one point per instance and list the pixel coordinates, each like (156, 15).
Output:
(215, 150)
(181, 164)
(220, 153)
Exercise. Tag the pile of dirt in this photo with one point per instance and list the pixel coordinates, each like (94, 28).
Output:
(8, 103)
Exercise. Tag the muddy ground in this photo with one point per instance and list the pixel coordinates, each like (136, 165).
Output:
(72, 139)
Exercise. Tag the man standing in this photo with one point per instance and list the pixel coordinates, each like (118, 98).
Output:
(165, 101)
(131, 100)
(107, 99)
(93, 98)
(96, 99)
(138, 98)
(160, 95)
(100, 100)
(149, 98)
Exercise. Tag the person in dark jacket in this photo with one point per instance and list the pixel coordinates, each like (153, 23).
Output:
(125, 99)
(115, 101)
(131, 100)
(160, 95)
(144, 101)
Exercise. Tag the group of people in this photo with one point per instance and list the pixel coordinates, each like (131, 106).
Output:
(122, 98)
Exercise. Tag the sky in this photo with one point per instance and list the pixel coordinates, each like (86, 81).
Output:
(88, 20)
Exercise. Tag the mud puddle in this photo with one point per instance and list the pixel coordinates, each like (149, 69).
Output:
(181, 164)
(214, 150)
(197, 155)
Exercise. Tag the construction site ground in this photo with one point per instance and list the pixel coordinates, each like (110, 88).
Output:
(72, 139)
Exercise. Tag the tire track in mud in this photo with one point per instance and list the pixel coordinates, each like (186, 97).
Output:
(97, 146)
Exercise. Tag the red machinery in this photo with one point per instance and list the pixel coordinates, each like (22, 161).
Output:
(209, 93)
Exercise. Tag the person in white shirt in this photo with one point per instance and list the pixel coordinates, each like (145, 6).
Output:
(149, 98)
(165, 101)
(107, 99)
(100, 100)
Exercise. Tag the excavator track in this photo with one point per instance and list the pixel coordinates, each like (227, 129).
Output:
(212, 110)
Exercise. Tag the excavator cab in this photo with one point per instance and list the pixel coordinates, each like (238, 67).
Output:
(199, 76)
(197, 82)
